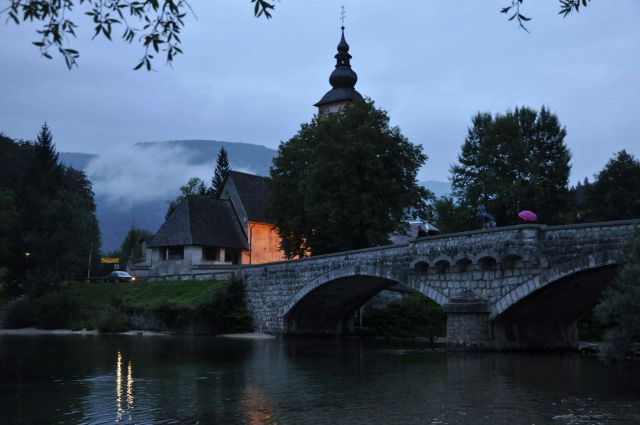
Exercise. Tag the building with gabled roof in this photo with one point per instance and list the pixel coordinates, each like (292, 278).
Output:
(204, 234)
(250, 195)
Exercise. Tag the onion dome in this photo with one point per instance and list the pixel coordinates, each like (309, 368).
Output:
(343, 79)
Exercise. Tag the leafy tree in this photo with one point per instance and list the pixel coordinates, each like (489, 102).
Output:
(195, 186)
(131, 247)
(155, 24)
(619, 309)
(346, 180)
(615, 193)
(221, 173)
(509, 163)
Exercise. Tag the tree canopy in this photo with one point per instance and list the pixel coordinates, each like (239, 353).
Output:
(155, 24)
(131, 247)
(346, 180)
(195, 186)
(615, 192)
(509, 163)
(49, 210)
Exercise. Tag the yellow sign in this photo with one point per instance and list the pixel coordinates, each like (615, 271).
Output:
(106, 260)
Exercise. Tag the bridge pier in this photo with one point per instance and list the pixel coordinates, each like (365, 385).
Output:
(468, 326)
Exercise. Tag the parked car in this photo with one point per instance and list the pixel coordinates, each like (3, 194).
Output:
(119, 276)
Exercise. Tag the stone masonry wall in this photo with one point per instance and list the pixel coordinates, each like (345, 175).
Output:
(500, 265)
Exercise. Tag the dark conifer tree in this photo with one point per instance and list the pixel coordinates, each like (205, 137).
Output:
(221, 173)
(58, 224)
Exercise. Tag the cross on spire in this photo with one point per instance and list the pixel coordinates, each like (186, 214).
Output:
(342, 16)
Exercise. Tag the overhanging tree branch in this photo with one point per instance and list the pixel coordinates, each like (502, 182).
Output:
(156, 24)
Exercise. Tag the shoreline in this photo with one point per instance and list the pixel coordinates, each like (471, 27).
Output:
(93, 332)
(36, 331)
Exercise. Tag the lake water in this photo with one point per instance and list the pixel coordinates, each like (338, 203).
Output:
(206, 380)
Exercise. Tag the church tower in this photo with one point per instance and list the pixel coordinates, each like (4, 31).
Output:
(343, 80)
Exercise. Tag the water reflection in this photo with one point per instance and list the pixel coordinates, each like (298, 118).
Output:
(120, 411)
(256, 405)
(212, 380)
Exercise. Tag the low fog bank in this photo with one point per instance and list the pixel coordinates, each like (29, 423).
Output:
(134, 184)
(146, 172)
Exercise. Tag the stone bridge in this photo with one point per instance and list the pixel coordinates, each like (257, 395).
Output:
(519, 287)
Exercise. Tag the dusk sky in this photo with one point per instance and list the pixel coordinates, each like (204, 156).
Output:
(431, 65)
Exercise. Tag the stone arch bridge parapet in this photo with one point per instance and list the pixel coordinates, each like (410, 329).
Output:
(501, 266)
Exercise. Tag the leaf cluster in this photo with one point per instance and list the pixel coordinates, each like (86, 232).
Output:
(346, 180)
(155, 24)
(566, 7)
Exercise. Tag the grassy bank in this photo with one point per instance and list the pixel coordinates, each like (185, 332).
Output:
(110, 307)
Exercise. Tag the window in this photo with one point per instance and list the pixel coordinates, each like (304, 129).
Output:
(210, 253)
(175, 253)
(230, 256)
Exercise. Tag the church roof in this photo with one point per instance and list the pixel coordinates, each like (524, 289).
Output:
(343, 79)
(201, 220)
(254, 194)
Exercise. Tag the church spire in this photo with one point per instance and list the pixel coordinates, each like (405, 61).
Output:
(343, 80)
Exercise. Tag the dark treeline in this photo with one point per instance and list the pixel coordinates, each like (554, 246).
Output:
(614, 194)
(48, 225)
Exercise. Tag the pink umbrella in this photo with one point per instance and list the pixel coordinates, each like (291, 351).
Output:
(528, 216)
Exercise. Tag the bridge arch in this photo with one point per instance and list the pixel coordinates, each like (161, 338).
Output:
(328, 301)
(543, 312)
(578, 268)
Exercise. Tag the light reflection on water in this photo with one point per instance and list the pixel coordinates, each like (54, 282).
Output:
(120, 411)
(72, 380)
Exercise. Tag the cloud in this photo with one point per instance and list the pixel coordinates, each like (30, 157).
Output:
(126, 176)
